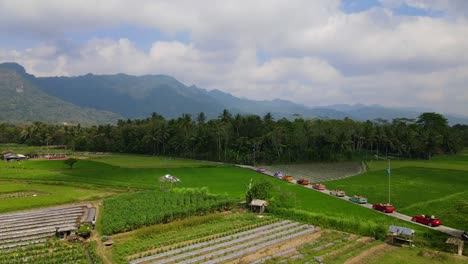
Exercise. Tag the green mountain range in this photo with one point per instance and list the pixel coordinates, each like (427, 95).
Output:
(97, 99)
(23, 102)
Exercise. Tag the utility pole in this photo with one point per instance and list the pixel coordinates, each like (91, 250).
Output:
(389, 171)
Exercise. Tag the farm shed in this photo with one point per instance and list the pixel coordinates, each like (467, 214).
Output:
(402, 234)
(258, 205)
(64, 232)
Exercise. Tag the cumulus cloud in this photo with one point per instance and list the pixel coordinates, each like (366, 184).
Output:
(315, 53)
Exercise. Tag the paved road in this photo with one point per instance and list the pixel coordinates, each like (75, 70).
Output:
(445, 229)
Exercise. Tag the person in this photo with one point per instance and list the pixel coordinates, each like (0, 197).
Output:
(93, 222)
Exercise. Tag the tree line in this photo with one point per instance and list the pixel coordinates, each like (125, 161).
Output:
(251, 139)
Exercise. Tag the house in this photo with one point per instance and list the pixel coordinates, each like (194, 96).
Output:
(258, 205)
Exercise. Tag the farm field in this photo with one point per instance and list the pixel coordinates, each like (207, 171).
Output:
(19, 195)
(224, 180)
(141, 161)
(26, 236)
(415, 190)
(318, 172)
(412, 255)
(25, 149)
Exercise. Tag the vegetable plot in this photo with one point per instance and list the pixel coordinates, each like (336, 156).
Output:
(131, 211)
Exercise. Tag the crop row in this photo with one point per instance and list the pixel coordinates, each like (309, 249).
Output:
(228, 247)
(160, 238)
(131, 211)
(49, 252)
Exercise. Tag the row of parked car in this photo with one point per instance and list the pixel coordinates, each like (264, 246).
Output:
(429, 220)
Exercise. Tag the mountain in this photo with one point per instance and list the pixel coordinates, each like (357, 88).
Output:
(23, 102)
(138, 96)
(132, 96)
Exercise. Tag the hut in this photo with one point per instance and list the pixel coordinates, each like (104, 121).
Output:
(258, 205)
(402, 234)
(168, 179)
(64, 232)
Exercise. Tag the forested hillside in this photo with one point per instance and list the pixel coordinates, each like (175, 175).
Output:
(250, 139)
(22, 102)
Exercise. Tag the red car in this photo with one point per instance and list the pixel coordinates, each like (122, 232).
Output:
(318, 186)
(386, 208)
(429, 220)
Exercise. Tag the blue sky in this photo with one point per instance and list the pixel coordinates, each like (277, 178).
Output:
(389, 52)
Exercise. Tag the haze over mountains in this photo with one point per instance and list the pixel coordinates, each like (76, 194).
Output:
(98, 99)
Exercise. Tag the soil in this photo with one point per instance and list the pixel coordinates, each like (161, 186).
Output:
(374, 251)
(268, 251)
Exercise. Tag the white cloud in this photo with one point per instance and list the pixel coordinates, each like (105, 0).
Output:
(315, 53)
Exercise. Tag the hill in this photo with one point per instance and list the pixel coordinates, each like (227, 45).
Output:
(138, 96)
(23, 102)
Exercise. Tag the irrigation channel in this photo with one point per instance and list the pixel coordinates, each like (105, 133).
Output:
(445, 229)
(36, 226)
(232, 246)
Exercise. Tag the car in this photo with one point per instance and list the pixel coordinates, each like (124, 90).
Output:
(338, 193)
(464, 236)
(358, 199)
(429, 220)
(287, 178)
(303, 182)
(262, 170)
(278, 174)
(384, 207)
(319, 186)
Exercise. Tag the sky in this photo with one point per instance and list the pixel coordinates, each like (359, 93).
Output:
(396, 53)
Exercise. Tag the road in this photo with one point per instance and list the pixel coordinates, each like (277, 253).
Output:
(444, 229)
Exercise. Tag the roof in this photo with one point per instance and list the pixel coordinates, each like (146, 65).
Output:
(67, 228)
(257, 202)
(169, 178)
(401, 230)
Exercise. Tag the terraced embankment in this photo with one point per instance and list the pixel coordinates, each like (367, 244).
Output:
(232, 246)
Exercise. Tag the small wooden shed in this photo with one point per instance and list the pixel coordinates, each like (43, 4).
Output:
(64, 232)
(402, 234)
(258, 205)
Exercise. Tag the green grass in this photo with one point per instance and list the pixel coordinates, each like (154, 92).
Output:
(141, 161)
(25, 149)
(53, 195)
(414, 256)
(440, 192)
(226, 180)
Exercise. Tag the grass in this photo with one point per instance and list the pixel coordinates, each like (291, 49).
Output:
(226, 180)
(142, 173)
(141, 161)
(52, 195)
(25, 149)
(414, 256)
(415, 190)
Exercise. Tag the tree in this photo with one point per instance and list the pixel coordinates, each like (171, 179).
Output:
(258, 190)
(70, 162)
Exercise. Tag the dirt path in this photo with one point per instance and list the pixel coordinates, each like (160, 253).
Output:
(378, 250)
(444, 229)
